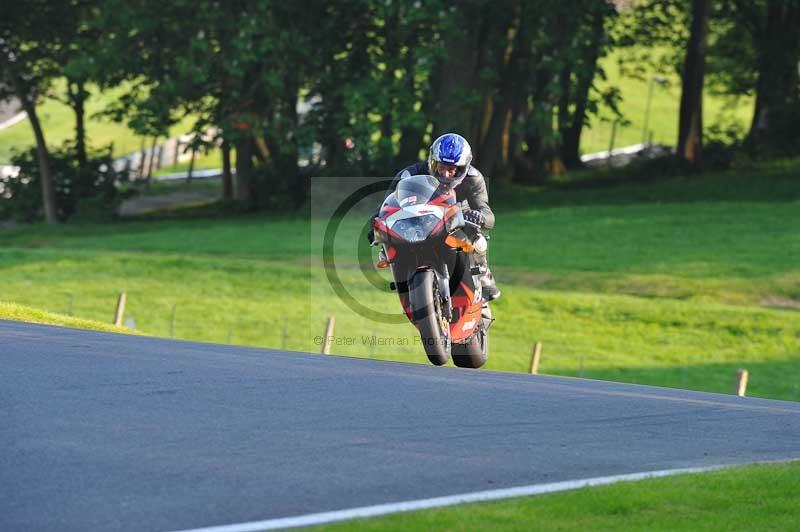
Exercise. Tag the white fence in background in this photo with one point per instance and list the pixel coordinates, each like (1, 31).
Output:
(7, 171)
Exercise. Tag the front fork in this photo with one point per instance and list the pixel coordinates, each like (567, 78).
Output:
(443, 280)
(444, 293)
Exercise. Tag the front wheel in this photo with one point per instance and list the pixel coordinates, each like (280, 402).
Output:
(423, 294)
(473, 353)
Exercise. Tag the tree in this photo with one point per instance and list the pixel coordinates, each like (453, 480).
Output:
(27, 68)
(778, 45)
(754, 49)
(690, 125)
(374, 81)
(241, 73)
(589, 41)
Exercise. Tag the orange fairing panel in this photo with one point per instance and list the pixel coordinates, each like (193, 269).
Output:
(465, 326)
(469, 320)
(457, 243)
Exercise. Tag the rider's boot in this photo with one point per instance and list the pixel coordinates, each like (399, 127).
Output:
(489, 287)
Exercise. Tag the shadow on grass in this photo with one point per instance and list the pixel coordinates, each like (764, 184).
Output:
(776, 182)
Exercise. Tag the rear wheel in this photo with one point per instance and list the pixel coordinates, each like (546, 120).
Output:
(423, 294)
(473, 353)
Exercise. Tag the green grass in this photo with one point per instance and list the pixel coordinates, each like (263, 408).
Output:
(762, 497)
(58, 123)
(636, 282)
(663, 120)
(677, 282)
(13, 312)
(167, 187)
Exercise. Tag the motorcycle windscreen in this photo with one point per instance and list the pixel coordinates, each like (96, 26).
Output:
(415, 190)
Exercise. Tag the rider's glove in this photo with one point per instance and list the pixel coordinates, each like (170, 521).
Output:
(473, 216)
(371, 235)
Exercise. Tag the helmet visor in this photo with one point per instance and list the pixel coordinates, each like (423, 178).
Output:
(448, 173)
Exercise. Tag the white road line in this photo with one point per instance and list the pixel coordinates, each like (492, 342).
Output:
(19, 117)
(438, 502)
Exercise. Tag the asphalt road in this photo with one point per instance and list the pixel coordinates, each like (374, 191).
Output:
(110, 432)
(8, 108)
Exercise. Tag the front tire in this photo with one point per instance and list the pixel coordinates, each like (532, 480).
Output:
(423, 294)
(474, 353)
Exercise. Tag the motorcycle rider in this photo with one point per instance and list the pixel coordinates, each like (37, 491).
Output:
(449, 161)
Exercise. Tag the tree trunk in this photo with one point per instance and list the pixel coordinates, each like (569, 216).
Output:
(77, 97)
(142, 156)
(410, 136)
(386, 144)
(190, 173)
(571, 137)
(532, 164)
(690, 126)
(511, 88)
(45, 172)
(778, 54)
(541, 157)
(298, 184)
(491, 150)
(455, 78)
(227, 178)
(244, 170)
(410, 146)
(564, 98)
(332, 141)
(150, 163)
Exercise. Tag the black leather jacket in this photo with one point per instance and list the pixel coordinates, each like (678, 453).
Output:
(472, 189)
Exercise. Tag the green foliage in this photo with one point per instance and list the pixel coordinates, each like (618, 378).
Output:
(386, 75)
(32, 35)
(654, 35)
(521, 80)
(87, 192)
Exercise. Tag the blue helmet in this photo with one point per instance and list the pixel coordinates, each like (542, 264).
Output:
(450, 150)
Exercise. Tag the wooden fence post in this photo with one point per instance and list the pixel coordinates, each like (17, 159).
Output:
(326, 340)
(741, 382)
(535, 356)
(120, 312)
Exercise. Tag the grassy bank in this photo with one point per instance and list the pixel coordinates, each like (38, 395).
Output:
(749, 498)
(13, 312)
(675, 282)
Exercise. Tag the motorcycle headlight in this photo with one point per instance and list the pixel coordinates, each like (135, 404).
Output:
(415, 229)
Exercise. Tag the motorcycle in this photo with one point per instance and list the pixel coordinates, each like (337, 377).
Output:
(430, 248)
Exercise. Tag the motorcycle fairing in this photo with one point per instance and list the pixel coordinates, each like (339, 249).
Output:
(415, 198)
